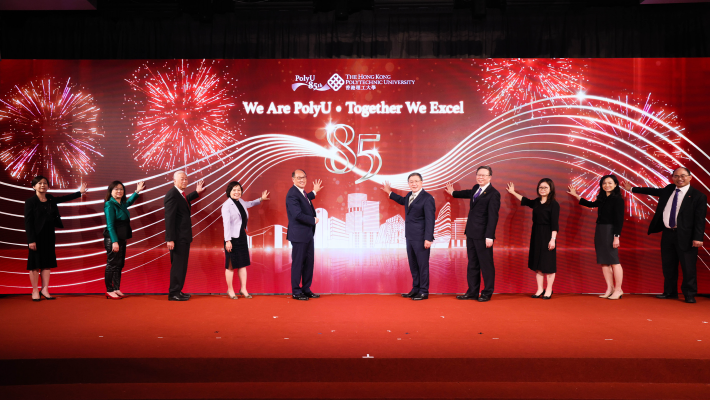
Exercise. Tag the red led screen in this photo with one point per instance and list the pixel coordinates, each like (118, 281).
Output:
(354, 124)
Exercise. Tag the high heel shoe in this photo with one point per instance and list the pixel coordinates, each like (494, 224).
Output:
(548, 297)
(48, 298)
(235, 297)
(245, 296)
(108, 296)
(537, 296)
(37, 299)
(606, 296)
(618, 298)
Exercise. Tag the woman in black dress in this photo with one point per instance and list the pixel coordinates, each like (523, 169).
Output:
(236, 245)
(41, 218)
(546, 215)
(610, 220)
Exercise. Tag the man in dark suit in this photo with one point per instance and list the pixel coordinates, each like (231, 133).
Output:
(480, 233)
(178, 232)
(680, 215)
(419, 217)
(302, 222)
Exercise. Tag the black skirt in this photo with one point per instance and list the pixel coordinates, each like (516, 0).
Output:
(239, 256)
(44, 257)
(540, 257)
(604, 245)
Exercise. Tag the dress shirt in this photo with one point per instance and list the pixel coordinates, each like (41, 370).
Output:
(182, 192)
(669, 205)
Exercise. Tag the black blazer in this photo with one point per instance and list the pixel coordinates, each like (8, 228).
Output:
(178, 227)
(36, 216)
(301, 216)
(691, 216)
(419, 217)
(483, 214)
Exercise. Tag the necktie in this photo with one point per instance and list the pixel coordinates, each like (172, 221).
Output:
(411, 199)
(185, 197)
(475, 196)
(674, 207)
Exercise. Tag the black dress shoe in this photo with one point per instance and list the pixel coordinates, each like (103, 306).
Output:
(484, 298)
(311, 295)
(300, 296)
(177, 297)
(420, 296)
(467, 297)
(410, 294)
(185, 295)
(689, 299)
(667, 296)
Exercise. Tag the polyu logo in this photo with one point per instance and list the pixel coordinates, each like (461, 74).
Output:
(335, 82)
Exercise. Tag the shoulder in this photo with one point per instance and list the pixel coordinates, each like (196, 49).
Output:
(171, 192)
(695, 192)
(427, 194)
(492, 190)
(226, 203)
(32, 200)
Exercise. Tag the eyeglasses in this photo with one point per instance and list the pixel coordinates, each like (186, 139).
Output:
(681, 176)
(118, 189)
(481, 176)
(300, 178)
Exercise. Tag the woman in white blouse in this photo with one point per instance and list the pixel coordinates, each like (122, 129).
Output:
(236, 248)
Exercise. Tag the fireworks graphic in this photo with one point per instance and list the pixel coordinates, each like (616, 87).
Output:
(510, 83)
(49, 127)
(181, 114)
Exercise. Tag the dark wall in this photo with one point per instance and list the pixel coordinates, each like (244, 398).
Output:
(632, 31)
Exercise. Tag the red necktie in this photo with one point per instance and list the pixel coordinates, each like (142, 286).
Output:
(183, 195)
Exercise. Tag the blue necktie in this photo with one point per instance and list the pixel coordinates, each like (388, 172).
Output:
(475, 196)
(674, 206)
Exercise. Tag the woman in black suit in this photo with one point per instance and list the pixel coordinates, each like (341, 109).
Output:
(41, 218)
(546, 216)
(610, 220)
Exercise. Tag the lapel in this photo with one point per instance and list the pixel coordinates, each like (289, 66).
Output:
(183, 198)
(303, 196)
(687, 199)
(119, 209)
(409, 206)
(235, 210)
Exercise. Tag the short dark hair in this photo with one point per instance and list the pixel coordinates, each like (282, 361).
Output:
(551, 195)
(110, 189)
(37, 179)
(231, 186)
(417, 174)
(293, 174)
(617, 189)
(490, 170)
(686, 170)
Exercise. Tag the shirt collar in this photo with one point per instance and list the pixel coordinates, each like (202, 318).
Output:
(415, 194)
(684, 189)
(181, 191)
(483, 188)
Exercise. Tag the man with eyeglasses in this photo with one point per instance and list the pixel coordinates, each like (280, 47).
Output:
(302, 222)
(480, 233)
(680, 215)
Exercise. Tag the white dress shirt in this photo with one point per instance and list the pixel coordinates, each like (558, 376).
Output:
(669, 205)
(303, 192)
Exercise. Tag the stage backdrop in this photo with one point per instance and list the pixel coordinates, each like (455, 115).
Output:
(353, 124)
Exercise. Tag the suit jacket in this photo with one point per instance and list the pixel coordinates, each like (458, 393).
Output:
(691, 216)
(178, 227)
(232, 218)
(301, 216)
(36, 216)
(483, 213)
(419, 216)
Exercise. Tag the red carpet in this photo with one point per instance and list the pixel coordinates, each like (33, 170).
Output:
(573, 346)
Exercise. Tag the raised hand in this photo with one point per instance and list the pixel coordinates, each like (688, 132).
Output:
(140, 187)
(317, 185)
(626, 185)
(510, 188)
(573, 192)
(82, 188)
(386, 188)
(449, 188)
(265, 195)
(200, 186)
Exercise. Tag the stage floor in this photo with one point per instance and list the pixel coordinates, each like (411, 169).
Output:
(636, 345)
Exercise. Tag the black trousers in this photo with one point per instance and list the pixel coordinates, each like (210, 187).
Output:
(480, 262)
(178, 267)
(302, 259)
(114, 264)
(671, 255)
(418, 258)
